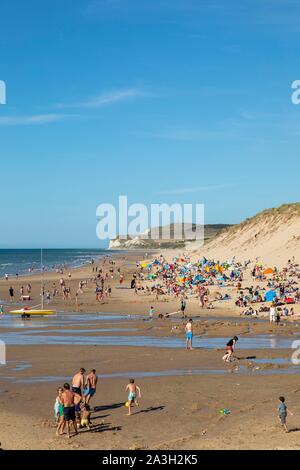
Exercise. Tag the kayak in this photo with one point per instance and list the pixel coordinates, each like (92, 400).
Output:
(24, 311)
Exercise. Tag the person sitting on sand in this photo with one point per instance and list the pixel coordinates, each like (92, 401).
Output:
(78, 382)
(68, 401)
(283, 411)
(230, 348)
(132, 390)
(85, 421)
(189, 335)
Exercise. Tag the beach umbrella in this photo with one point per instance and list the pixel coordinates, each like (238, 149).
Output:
(270, 296)
(144, 263)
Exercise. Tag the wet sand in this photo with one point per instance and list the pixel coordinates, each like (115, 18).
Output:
(191, 401)
(183, 391)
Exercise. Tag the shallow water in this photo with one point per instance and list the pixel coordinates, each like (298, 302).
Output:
(241, 370)
(62, 332)
(10, 321)
(81, 331)
(248, 343)
(21, 366)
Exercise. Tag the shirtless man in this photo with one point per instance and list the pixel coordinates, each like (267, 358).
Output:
(68, 401)
(78, 382)
(91, 386)
(189, 335)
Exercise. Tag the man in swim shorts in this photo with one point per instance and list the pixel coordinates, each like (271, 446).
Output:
(78, 382)
(68, 401)
(91, 386)
(189, 335)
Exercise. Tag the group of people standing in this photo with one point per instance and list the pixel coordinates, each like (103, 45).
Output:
(72, 405)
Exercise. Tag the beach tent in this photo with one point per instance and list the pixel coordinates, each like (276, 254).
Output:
(269, 271)
(151, 276)
(144, 263)
(270, 296)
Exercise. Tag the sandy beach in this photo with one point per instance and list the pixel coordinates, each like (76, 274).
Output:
(183, 392)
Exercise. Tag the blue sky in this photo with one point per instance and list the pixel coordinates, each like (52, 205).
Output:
(163, 100)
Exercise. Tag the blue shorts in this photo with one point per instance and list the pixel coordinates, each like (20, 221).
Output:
(132, 397)
(283, 418)
(90, 392)
(189, 336)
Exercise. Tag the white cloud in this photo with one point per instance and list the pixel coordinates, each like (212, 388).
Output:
(105, 99)
(30, 120)
(193, 134)
(198, 189)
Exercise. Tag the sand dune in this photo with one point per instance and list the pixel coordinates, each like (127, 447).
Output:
(272, 235)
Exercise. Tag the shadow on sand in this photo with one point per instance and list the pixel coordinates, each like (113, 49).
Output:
(151, 409)
(102, 428)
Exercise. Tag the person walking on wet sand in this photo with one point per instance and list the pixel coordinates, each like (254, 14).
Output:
(91, 386)
(133, 390)
(68, 401)
(78, 382)
(189, 335)
(273, 314)
(183, 307)
(11, 294)
(283, 411)
(151, 313)
(230, 348)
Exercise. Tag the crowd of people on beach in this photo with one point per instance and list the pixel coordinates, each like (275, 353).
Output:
(189, 280)
(255, 290)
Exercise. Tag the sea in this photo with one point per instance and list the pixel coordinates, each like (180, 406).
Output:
(28, 261)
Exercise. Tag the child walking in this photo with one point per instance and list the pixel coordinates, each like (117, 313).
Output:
(283, 411)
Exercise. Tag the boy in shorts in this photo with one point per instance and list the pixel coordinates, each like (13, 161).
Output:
(189, 335)
(132, 390)
(283, 411)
